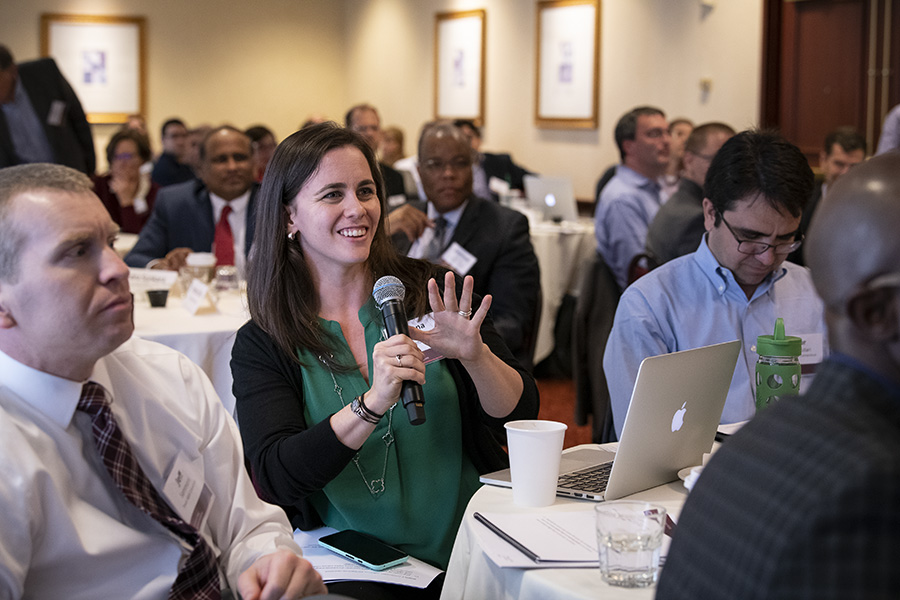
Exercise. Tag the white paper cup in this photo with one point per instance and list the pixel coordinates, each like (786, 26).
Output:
(534, 451)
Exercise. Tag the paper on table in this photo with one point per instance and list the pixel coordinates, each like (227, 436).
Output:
(333, 567)
(569, 539)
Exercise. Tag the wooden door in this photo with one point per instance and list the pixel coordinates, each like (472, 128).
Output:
(829, 63)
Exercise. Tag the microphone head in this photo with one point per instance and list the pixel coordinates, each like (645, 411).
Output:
(388, 288)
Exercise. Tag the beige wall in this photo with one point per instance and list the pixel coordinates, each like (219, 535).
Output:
(277, 61)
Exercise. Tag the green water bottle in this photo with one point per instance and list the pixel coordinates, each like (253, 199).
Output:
(778, 366)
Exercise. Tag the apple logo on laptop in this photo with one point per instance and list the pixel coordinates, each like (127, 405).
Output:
(550, 200)
(678, 418)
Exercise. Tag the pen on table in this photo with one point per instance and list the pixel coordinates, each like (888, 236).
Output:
(508, 538)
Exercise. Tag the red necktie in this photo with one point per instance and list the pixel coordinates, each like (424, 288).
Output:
(198, 577)
(224, 240)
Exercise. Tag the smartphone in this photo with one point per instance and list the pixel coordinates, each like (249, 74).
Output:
(364, 549)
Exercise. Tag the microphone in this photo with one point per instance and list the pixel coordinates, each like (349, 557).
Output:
(389, 293)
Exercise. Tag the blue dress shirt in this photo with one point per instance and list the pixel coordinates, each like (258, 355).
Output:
(693, 301)
(625, 208)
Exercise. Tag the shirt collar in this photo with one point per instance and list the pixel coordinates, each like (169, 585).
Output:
(723, 279)
(635, 179)
(452, 216)
(55, 397)
(238, 205)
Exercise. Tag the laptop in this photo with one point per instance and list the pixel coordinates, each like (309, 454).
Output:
(552, 196)
(671, 422)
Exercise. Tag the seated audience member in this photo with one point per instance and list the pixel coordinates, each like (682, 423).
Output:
(736, 284)
(41, 119)
(317, 383)
(801, 502)
(679, 130)
(845, 148)
(172, 165)
(489, 169)
(469, 229)
(262, 142)
(678, 225)
(214, 213)
(364, 120)
(101, 434)
(126, 192)
(629, 201)
(391, 148)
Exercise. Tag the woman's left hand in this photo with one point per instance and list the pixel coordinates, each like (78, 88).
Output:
(455, 334)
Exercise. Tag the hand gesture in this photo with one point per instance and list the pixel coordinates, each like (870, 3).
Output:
(394, 361)
(456, 332)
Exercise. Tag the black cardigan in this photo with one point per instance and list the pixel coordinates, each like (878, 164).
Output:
(290, 460)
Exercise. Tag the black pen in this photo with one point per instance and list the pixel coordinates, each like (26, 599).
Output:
(515, 543)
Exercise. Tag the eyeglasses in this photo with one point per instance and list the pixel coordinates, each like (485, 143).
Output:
(888, 280)
(439, 166)
(123, 156)
(753, 248)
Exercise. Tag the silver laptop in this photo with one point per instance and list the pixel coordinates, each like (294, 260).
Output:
(553, 196)
(671, 422)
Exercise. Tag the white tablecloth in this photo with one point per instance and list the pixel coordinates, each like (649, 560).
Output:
(472, 576)
(560, 249)
(205, 338)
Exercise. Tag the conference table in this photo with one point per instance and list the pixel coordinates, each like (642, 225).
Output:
(206, 337)
(561, 248)
(471, 575)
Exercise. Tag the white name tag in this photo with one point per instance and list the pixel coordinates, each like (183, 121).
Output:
(425, 323)
(56, 113)
(813, 348)
(151, 279)
(186, 491)
(459, 259)
(196, 296)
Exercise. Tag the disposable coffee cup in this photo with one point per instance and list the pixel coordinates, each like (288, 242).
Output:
(157, 297)
(534, 451)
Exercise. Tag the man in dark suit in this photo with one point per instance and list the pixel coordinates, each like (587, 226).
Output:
(490, 168)
(477, 237)
(802, 501)
(171, 167)
(364, 120)
(187, 217)
(41, 118)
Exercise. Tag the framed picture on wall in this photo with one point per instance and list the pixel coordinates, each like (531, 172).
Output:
(103, 58)
(459, 65)
(568, 64)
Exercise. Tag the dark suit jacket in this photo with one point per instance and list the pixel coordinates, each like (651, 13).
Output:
(507, 267)
(800, 503)
(678, 226)
(71, 139)
(393, 181)
(182, 217)
(502, 167)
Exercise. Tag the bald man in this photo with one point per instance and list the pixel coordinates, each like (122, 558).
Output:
(802, 502)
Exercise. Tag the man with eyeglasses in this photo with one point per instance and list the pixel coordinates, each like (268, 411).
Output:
(475, 236)
(678, 225)
(801, 502)
(736, 284)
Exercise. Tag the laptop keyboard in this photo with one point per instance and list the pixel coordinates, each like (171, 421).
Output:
(590, 479)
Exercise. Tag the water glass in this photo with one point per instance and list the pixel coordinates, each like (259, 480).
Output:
(629, 539)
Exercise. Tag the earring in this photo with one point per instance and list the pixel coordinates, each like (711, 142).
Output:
(291, 235)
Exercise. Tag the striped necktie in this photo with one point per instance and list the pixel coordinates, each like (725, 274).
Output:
(436, 246)
(198, 577)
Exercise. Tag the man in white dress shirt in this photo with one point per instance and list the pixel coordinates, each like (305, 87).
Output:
(67, 529)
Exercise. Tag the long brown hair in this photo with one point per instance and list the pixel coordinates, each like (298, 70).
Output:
(283, 299)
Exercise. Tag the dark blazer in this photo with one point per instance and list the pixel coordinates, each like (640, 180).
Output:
(71, 139)
(507, 267)
(182, 217)
(800, 503)
(393, 181)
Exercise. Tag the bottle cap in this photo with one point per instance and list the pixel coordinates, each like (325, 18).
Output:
(778, 344)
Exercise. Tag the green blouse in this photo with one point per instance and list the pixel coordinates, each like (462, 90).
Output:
(427, 478)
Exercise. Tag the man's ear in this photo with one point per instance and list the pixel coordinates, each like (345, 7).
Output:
(874, 314)
(709, 214)
(6, 318)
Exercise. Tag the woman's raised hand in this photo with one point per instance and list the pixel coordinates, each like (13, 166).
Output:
(457, 331)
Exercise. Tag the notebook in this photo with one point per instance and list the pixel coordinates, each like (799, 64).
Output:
(553, 196)
(671, 422)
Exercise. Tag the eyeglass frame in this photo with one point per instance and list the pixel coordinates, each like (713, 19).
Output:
(791, 246)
